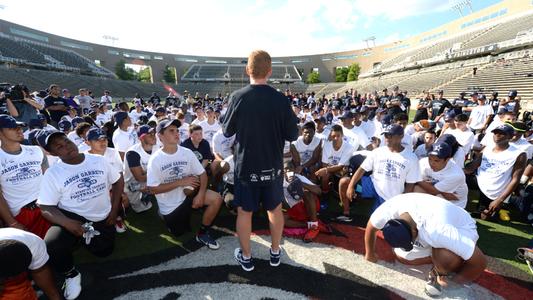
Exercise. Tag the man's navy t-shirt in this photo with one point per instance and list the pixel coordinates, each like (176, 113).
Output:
(262, 120)
(55, 115)
(202, 152)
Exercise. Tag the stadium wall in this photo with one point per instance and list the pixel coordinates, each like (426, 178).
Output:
(326, 63)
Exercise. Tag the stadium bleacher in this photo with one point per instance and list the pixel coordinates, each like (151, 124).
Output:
(237, 73)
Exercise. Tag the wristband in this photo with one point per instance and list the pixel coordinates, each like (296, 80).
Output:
(523, 179)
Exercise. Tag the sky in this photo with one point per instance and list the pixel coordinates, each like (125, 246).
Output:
(234, 28)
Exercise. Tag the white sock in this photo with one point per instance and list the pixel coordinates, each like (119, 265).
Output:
(274, 252)
(311, 224)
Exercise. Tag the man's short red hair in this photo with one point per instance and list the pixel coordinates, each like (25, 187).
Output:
(259, 64)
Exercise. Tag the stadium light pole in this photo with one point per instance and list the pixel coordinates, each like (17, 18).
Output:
(460, 5)
(110, 38)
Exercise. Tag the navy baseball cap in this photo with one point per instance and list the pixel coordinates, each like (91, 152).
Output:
(448, 139)
(380, 110)
(77, 120)
(440, 150)
(7, 121)
(41, 117)
(120, 117)
(321, 119)
(166, 123)
(398, 234)
(449, 116)
(513, 93)
(519, 126)
(393, 129)
(95, 133)
(64, 125)
(36, 123)
(160, 109)
(209, 109)
(44, 136)
(296, 188)
(504, 110)
(144, 129)
(474, 94)
(346, 115)
(32, 134)
(505, 129)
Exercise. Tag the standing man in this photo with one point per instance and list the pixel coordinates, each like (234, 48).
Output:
(262, 120)
(55, 104)
(84, 100)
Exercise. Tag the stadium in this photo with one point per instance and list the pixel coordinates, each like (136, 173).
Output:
(484, 54)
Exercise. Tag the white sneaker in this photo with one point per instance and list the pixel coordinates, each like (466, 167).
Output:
(120, 227)
(72, 287)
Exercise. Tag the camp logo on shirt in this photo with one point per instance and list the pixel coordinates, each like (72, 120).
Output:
(494, 166)
(87, 182)
(87, 185)
(199, 155)
(306, 155)
(176, 171)
(23, 171)
(391, 169)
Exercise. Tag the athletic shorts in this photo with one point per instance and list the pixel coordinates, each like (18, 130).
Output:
(30, 216)
(368, 191)
(299, 213)
(178, 221)
(250, 197)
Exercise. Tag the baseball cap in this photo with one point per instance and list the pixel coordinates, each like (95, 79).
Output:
(440, 150)
(120, 117)
(448, 139)
(513, 93)
(321, 119)
(504, 128)
(504, 110)
(95, 133)
(144, 129)
(31, 136)
(65, 91)
(209, 109)
(449, 116)
(64, 125)
(160, 109)
(346, 115)
(77, 120)
(296, 188)
(166, 123)
(440, 92)
(7, 121)
(41, 117)
(380, 110)
(44, 136)
(393, 129)
(36, 123)
(519, 126)
(474, 94)
(398, 234)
